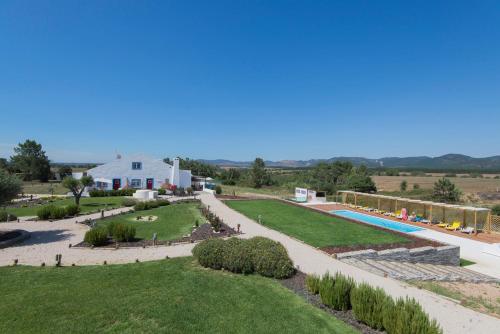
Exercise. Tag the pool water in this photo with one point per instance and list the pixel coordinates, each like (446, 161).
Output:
(377, 221)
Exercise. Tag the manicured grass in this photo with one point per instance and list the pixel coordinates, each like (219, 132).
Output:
(174, 221)
(312, 227)
(169, 296)
(86, 205)
(464, 262)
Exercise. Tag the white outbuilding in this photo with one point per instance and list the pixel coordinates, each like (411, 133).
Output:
(139, 172)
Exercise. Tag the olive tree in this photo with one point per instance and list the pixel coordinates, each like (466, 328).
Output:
(77, 186)
(10, 186)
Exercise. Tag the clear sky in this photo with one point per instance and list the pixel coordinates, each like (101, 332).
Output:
(239, 79)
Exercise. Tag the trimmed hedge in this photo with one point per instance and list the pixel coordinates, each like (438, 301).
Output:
(372, 306)
(140, 206)
(96, 236)
(4, 215)
(242, 256)
(111, 193)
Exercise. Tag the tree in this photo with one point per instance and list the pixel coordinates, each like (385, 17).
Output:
(496, 210)
(65, 171)
(416, 186)
(31, 160)
(446, 191)
(230, 176)
(10, 186)
(4, 164)
(361, 183)
(392, 172)
(77, 186)
(403, 186)
(331, 176)
(258, 174)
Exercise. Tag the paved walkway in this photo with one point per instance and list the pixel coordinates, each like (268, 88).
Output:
(451, 316)
(51, 238)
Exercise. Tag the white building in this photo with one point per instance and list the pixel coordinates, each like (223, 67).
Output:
(139, 172)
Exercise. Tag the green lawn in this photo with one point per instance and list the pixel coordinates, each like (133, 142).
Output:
(46, 188)
(169, 296)
(174, 221)
(86, 205)
(312, 227)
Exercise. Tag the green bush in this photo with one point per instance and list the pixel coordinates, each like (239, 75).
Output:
(72, 210)
(57, 212)
(123, 232)
(312, 283)
(162, 192)
(96, 237)
(110, 193)
(44, 212)
(237, 256)
(218, 190)
(341, 300)
(270, 258)
(139, 206)
(209, 253)
(129, 202)
(368, 305)
(407, 316)
(162, 202)
(152, 204)
(4, 215)
(496, 210)
(326, 289)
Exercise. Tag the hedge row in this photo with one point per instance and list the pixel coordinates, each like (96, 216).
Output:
(212, 218)
(110, 193)
(261, 255)
(96, 236)
(4, 215)
(120, 231)
(371, 306)
(57, 212)
(139, 206)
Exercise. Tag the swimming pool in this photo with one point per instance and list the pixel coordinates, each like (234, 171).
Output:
(377, 221)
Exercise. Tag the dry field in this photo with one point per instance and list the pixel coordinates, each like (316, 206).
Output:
(467, 185)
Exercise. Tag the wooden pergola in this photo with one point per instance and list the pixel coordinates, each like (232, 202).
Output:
(430, 209)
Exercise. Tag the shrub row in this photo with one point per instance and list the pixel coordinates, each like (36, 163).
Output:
(213, 219)
(372, 306)
(261, 255)
(96, 236)
(109, 193)
(57, 212)
(129, 202)
(120, 231)
(4, 215)
(139, 206)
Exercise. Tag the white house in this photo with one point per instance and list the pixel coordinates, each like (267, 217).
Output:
(139, 172)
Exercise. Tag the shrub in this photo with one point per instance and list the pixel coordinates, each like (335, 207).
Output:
(312, 283)
(152, 204)
(108, 193)
(44, 212)
(57, 212)
(129, 202)
(368, 305)
(326, 289)
(139, 206)
(407, 316)
(496, 210)
(96, 236)
(162, 202)
(162, 191)
(209, 253)
(270, 258)
(237, 256)
(341, 299)
(218, 190)
(4, 215)
(123, 232)
(72, 210)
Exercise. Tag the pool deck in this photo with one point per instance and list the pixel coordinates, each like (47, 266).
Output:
(471, 246)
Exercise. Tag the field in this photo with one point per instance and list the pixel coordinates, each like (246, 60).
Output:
(314, 228)
(169, 296)
(468, 185)
(275, 191)
(87, 204)
(46, 188)
(174, 221)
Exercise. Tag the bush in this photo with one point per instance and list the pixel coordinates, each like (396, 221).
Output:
(368, 305)
(209, 253)
(218, 190)
(109, 193)
(123, 232)
(44, 212)
(4, 215)
(237, 256)
(270, 258)
(139, 206)
(312, 283)
(129, 202)
(341, 300)
(152, 204)
(407, 316)
(51, 212)
(162, 191)
(162, 202)
(72, 210)
(496, 210)
(57, 212)
(96, 237)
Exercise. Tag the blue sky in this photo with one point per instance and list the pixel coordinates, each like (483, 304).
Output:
(239, 79)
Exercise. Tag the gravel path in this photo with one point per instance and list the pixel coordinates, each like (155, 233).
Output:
(51, 238)
(453, 317)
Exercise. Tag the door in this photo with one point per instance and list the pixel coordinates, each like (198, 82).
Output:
(117, 184)
(149, 183)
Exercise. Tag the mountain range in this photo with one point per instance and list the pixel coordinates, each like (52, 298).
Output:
(445, 162)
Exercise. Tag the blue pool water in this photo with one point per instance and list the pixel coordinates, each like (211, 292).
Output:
(377, 221)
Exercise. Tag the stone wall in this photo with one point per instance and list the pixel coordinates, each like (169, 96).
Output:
(446, 255)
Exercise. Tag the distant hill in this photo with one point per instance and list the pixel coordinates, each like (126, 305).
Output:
(445, 162)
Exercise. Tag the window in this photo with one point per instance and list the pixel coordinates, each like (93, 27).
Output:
(136, 165)
(135, 183)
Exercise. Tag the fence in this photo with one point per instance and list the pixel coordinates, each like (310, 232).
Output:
(495, 223)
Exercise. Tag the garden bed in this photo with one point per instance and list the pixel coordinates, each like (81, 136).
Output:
(204, 231)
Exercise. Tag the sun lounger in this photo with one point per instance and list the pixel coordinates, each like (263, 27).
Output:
(467, 229)
(454, 226)
(443, 225)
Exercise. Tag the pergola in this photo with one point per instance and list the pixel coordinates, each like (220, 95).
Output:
(468, 215)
